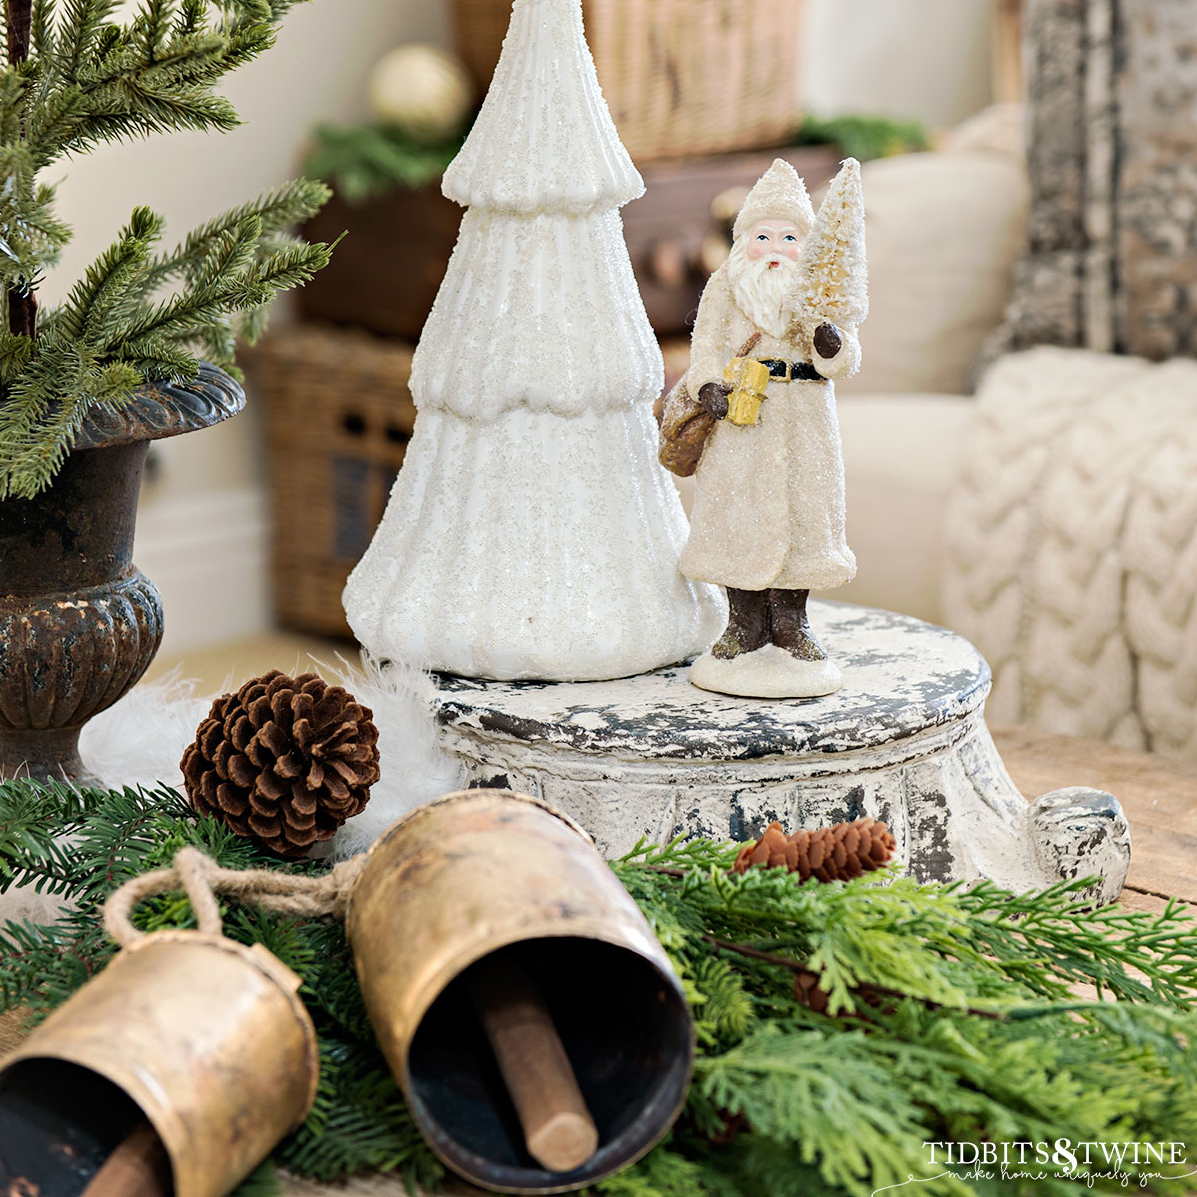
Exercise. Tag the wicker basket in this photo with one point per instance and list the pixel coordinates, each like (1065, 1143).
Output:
(681, 76)
(338, 419)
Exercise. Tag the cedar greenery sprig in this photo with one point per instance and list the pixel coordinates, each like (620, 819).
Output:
(80, 78)
(785, 1100)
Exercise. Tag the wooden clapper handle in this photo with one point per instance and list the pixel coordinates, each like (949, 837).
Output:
(138, 1167)
(558, 1130)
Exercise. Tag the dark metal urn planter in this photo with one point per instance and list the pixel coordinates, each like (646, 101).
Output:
(79, 623)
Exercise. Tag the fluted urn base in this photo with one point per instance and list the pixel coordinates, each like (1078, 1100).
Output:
(67, 657)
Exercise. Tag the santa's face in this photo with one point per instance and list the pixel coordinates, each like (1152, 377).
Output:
(774, 240)
(762, 269)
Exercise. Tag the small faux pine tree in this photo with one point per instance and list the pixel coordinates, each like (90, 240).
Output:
(77, 76)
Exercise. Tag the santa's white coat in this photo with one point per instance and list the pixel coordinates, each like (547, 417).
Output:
(769, 498)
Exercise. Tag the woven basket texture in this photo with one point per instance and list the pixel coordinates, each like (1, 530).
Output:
(338, 419)
(682, 77)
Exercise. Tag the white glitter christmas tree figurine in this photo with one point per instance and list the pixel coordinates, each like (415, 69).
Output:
(531, 532)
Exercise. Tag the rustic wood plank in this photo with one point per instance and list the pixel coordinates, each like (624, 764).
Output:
(366, 1186)
(11, 1030)
(1133, 899)
(1158, 795)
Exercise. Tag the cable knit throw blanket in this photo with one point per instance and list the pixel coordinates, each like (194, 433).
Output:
(1072, 546)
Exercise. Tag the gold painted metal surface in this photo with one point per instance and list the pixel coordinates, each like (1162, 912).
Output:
(749, 380)
(470, 875)
(207, 1036)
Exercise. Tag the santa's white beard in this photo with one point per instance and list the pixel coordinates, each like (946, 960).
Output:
(760, 291)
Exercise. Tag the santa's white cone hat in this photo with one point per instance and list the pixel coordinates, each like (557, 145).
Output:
(779, 194)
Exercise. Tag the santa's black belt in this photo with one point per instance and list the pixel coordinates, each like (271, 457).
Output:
(790, 371)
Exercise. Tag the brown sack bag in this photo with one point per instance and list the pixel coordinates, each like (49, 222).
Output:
(685, 424)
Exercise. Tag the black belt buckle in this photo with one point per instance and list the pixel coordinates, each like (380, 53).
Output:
(790, 371)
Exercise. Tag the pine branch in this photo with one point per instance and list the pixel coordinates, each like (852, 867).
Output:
(263, 1181)
(97, 78)
(14, 86)
(1103, 946)
(20, 299)
(15, 352)
(34, 819)
(280, 209)
(109, 290)
(82, 22)
(791, 1083)
(822, 1105)
(47, 405)
(189, 314)
(871, 995)
(368, 160)
(41, 26)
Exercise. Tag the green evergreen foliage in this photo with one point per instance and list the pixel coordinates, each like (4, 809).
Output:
(864, 137)
(365, 161)
(137, 314)
(952, 1012)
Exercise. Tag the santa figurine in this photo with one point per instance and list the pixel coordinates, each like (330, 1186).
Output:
(776, 324)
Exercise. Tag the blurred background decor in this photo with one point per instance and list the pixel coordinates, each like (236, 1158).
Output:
(401, 229)
(945, 229)
(682, 77)
(1072, 528)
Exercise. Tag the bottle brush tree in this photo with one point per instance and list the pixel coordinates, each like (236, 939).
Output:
(78, 74)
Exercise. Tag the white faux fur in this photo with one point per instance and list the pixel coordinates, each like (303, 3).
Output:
(140, 742)
(415, 769)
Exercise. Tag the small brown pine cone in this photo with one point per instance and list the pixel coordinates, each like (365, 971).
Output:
(830, 854)
(284, 761)
(773, 850)
(809, 993)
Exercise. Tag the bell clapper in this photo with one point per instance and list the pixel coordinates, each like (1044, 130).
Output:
(558, 1130)
(138, 1167)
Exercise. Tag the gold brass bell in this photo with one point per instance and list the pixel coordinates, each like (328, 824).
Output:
(487, 891)
(203, 1038)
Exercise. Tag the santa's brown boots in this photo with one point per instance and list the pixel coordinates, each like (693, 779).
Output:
(789, 627)
(747, 624)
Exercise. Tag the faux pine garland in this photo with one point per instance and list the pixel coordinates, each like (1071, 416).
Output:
(951, 1013)
(80, 77)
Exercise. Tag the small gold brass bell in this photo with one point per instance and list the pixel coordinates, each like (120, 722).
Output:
(530, 1015)
(749, 379)
(200, 1037)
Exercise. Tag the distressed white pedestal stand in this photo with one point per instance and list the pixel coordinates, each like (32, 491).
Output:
(905, 741)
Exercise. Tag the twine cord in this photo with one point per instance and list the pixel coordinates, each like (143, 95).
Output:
(201, 878)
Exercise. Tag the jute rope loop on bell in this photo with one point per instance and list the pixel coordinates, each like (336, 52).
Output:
(201, 878)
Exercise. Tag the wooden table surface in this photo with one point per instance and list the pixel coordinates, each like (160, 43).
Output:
(1158, 795)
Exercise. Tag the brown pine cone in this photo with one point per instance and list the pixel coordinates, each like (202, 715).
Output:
(284, 761)
(829, 854)
(809, 993)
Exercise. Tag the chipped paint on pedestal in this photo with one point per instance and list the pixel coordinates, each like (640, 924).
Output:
(905, 741)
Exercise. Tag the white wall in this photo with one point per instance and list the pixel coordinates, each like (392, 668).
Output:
(313, 74)
(923, 59)
(203, 529)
